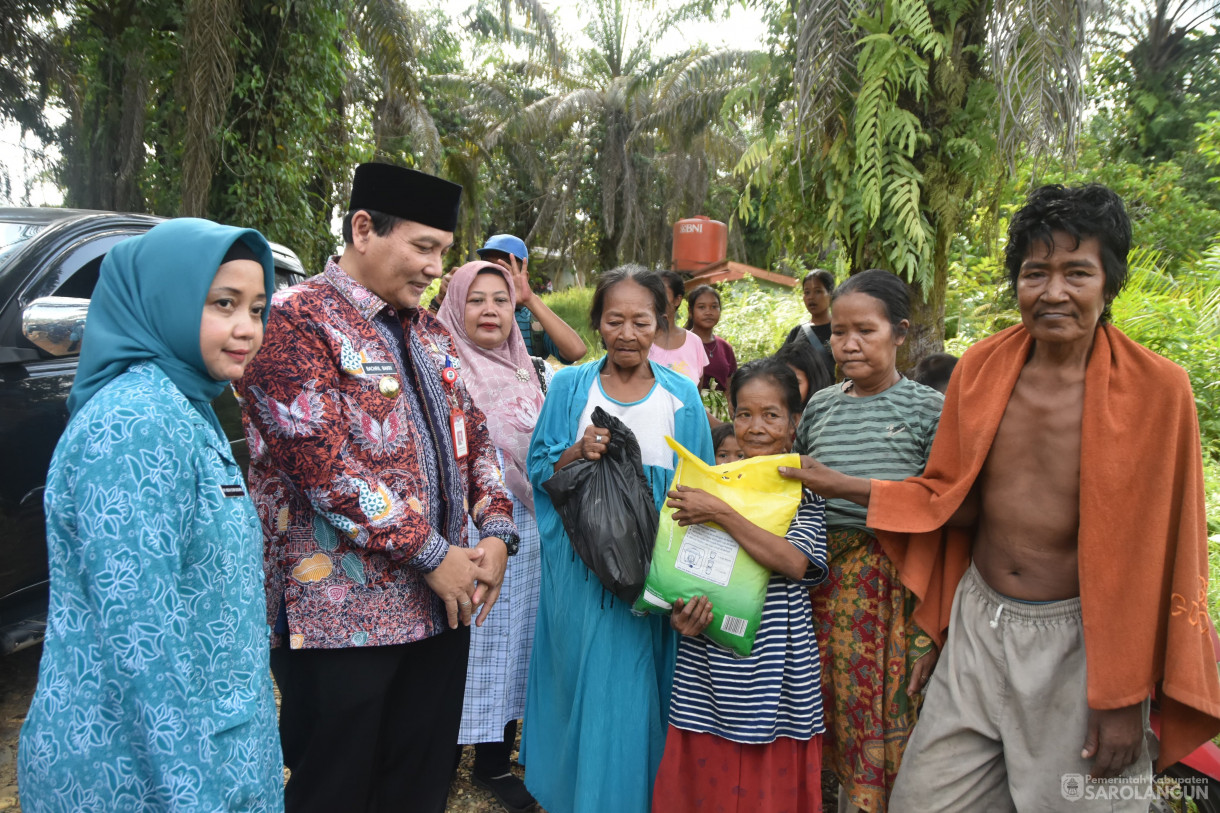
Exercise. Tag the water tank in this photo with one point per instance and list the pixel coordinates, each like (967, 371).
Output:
(699, 242)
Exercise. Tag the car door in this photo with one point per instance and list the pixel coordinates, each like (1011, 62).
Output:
(34, 388)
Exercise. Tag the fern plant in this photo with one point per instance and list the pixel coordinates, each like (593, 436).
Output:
(902, 110)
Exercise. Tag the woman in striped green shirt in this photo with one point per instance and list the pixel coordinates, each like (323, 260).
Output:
(876, 424)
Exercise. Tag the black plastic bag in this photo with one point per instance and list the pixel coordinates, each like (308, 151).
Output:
(607, 509)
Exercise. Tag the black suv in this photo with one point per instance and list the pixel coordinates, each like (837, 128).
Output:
(54, 253)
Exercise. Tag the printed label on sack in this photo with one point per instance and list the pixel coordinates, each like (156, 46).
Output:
(655, 600)
(733, 625)
(707, 554)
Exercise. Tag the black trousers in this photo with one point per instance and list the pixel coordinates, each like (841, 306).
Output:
(371, 728)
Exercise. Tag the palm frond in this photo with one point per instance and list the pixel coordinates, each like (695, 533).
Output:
(207, 83)
(387, 31)
(826, 41)
(1037, 52)
(540, 18)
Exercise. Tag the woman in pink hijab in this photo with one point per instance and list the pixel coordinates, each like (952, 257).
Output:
(508, 385)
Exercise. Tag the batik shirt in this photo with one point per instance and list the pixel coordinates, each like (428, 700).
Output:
(353, 468)
(154, 691)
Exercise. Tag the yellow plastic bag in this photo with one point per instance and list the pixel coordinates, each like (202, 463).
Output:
(703, 560)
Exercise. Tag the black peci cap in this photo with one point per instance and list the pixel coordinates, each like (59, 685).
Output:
(406, 193)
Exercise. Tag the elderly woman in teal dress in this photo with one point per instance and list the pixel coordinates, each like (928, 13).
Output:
(154, 692)
(599, 682)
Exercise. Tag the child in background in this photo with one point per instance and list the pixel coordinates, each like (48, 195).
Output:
(675, 347)
(725, 444)
(757, 749)
(935, 371)
(811, 374)
(702, 316)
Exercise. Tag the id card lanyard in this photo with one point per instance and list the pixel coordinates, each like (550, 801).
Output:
(457, 419)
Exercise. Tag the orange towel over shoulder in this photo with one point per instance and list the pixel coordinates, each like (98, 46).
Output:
(1143, 532)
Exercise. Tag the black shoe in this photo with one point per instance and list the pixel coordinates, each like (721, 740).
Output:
(508, 790)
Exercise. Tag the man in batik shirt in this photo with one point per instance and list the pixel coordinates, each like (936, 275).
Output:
(367, 456)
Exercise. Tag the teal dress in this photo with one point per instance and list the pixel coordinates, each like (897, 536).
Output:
(597, 699)
(154, 691)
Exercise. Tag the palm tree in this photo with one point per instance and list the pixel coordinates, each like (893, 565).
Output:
(1161, 60)
(640, 136)
(903, 108)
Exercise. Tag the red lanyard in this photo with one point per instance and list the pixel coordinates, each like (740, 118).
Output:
(457, 419)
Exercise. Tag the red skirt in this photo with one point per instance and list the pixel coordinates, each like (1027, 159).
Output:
(709, 774)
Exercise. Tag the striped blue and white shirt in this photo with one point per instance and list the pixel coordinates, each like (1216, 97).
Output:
(777, 690)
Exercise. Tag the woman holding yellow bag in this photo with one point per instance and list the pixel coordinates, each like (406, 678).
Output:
(757, 750)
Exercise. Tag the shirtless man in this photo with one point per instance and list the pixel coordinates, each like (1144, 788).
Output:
(1007, 723)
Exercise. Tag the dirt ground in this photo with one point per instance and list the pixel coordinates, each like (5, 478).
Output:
(19, 675)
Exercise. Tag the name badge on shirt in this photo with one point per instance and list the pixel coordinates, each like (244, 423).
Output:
(234, 490)
(457, 423)
(379, 368)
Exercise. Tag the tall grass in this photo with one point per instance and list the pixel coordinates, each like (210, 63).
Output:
(756, 318)
(572, 306)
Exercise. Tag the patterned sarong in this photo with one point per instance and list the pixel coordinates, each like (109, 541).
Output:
(867, 643)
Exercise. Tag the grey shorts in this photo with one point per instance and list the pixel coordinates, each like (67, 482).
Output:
(1006, 715)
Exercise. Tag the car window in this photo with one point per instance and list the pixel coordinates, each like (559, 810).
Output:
(13, 235)
(81, 283)
(74, 272)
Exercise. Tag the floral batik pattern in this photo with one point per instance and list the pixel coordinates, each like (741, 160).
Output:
(154, 692)
(347, 410)
(868, 645)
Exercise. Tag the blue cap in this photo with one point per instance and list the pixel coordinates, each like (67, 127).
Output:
(507, 244)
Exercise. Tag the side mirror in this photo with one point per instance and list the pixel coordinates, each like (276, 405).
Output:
(56, 324)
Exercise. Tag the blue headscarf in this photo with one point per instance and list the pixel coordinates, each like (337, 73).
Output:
(148, 304)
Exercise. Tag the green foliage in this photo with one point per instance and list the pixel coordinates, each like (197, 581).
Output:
(755, 318)
(1165, 215)
(1179, 317)
(572, 306)
(276, 143)
(978, 302)
(1157, 73)
(716, 402)
(284, 149)
(1207, 140)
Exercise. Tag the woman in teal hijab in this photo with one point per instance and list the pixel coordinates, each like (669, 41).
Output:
(154, 692)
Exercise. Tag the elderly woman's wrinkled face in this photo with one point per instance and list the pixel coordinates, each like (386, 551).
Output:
(761, 420)
(628, 324)
(489, 310)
